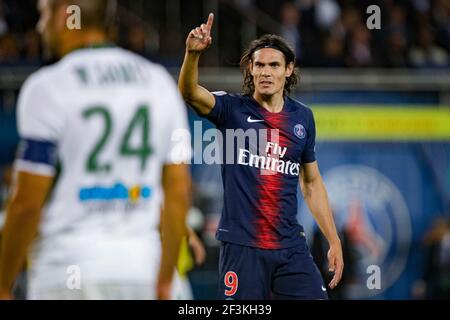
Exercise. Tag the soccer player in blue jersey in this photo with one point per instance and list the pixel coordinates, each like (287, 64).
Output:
(264, 253)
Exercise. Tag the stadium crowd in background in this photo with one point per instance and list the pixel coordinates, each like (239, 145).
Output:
(324, 33)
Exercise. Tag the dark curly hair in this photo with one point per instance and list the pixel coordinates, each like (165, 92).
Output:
(267, 41)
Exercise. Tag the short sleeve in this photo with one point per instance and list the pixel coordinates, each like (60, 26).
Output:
(40, 124)
(39, 115)
(309, 153)
(221, 110)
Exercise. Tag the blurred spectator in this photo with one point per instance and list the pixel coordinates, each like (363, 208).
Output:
(310, 33)
(290, 19)
(396, 50)
(360, 53)
(437, 272)
(9, 53)
(426, 53)
(421, 5)
(351, 19)
(397, 22)
(416, 29)
(3, 24)
(327, 13)
(333, 51)
(137, 40)
(31, 48)
(441, 15)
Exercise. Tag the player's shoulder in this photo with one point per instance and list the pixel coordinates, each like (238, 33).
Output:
(231, 97)
(298, 106)
(39, 80)
(229, 94)
(108, 53)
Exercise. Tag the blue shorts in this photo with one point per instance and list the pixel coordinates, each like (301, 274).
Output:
(248, 273)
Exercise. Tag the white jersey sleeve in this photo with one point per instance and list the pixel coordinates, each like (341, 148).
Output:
(40, 123)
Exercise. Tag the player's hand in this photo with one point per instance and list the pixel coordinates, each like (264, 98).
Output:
(197, 248)
(164, 290)
(335, 264)
(199, 39)
(5, 296)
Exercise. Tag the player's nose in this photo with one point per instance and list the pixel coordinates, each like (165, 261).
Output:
(265, 71)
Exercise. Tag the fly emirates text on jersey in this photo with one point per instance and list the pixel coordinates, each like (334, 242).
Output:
(255, 148)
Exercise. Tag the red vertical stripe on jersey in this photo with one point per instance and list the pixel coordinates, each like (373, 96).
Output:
(269, 194)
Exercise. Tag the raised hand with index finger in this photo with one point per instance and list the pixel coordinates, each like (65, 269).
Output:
(199, 39)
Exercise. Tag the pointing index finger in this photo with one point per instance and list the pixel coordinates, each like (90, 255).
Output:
(209, 23)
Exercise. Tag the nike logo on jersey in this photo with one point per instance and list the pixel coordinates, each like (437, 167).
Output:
(249, 119)
(323, 288)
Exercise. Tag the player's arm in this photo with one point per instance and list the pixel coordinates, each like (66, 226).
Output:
(198, 249)
(22, 220)
(316, 197)
(198, 40)
(176, 185)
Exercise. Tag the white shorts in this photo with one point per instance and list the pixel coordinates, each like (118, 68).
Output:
(96, 268)
(103, 291)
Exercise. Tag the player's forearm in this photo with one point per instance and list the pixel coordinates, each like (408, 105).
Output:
(188, 79)
(195, 95)
(19, 231)
(173, 230)
(316, 197)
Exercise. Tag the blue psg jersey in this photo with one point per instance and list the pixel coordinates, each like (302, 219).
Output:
(261, 171)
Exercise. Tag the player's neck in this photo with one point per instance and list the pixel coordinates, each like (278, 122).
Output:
(88, 38)
(272, 103)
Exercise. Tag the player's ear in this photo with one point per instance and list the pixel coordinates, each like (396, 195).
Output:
(289, 69)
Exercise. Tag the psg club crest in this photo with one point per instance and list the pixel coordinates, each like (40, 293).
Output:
(300, 131)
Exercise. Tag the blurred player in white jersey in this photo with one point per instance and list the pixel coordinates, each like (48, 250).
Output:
(104, 136)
